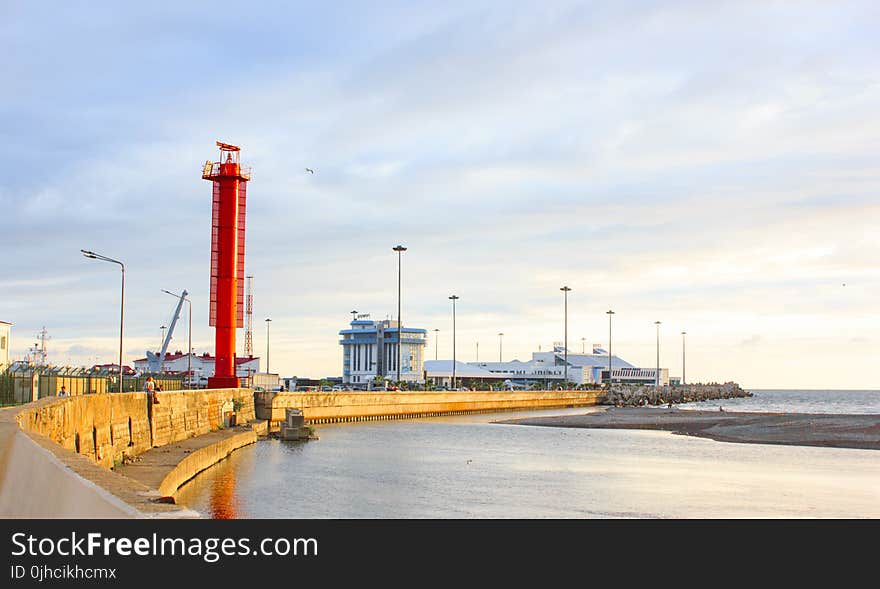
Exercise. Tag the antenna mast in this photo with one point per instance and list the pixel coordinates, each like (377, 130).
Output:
(249, 318)
(42, 352)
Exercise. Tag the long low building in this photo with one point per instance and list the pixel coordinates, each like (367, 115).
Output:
(547, 368)
(202, 366)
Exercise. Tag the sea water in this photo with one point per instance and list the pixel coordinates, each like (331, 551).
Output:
(470, 467)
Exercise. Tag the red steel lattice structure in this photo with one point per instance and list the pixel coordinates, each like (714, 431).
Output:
(229, 180)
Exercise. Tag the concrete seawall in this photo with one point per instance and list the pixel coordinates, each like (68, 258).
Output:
(355, 406)
(56, 454)
(108, 428)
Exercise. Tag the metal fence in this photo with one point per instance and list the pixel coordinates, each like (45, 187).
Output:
(23, 385)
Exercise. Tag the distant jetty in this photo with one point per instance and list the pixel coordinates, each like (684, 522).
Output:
(640, 395)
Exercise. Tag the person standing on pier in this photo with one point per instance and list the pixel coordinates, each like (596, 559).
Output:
(150, 387)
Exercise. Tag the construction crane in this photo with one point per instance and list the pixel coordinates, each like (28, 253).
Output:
(155, 361)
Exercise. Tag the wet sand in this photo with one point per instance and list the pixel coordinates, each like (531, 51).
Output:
(794, 429)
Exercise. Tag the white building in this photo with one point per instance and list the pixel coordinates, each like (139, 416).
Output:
(548, 368)
(202, 366)
(370, 349)
(5, 343)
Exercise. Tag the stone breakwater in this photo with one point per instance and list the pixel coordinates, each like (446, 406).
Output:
(635, 396)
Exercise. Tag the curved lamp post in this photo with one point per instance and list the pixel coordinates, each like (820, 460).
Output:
(566, 290)
(94, 256)
(609, 312)
(453, 298)
(683, 333)
(399, 249)
(657, 380)
(268, 321)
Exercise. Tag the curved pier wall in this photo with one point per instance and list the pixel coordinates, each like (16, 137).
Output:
(108, 427)
(364, 406)
(56, 453)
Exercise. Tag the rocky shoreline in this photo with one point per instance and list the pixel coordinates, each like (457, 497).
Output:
(795, 429)
(639, 396)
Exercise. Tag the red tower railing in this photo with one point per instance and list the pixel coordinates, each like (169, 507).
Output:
(229, 180)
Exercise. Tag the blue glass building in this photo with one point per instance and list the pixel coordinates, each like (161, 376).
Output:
(370, 350)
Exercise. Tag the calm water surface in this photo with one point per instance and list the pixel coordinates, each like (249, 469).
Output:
(462, 467)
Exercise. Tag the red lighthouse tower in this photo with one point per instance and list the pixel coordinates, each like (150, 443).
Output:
(227, 259)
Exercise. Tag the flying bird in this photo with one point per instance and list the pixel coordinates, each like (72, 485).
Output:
(310, 171)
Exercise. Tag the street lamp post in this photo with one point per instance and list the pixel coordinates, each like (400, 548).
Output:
(657, 380)
(399, 249)
(500, 341)
(268, 321)
(583, 345)
(436, 343)
(188, 335)
(95, 256)
(162, 343)
(453, 298)
(566, 290)
(609, 312)
(683, 333)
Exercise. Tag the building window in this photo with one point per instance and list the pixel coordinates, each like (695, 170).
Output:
(2, 342)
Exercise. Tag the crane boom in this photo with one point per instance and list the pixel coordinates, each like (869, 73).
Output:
(155, 362)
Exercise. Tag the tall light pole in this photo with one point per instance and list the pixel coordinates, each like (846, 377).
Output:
(453, 298)
(478, 351)
(353, 315)
(189, 330)
(500, 341)
(436, 343)
(399, 249)
(657, 383)
(683, 333)
(268, 321)
(583, 345)
(95, 256)
(566, 290)
(609, 312)
(162, 343)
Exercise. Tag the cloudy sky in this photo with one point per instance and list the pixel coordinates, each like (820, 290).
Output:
(712, 165)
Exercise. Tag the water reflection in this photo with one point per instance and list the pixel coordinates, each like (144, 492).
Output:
(224, 501)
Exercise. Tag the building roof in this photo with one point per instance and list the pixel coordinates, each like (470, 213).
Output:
(442, 368)
(5, 322)
(386, 330)
(581, 360)
(208, 357)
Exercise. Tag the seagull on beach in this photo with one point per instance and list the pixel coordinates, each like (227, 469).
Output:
(310, 171)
